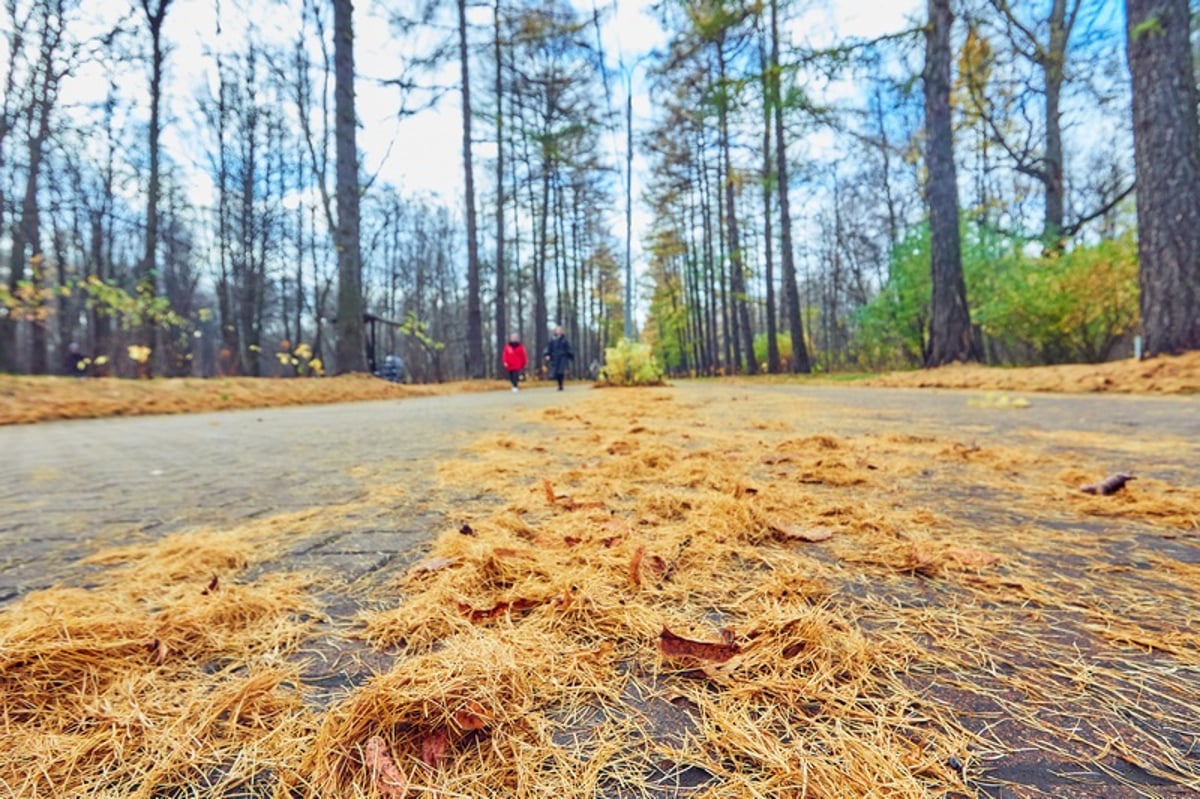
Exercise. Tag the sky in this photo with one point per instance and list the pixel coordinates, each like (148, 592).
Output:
(421, 153)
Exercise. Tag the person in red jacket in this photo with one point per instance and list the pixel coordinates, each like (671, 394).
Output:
(514, 359)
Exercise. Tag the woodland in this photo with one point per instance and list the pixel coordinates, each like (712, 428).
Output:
(1013, 184)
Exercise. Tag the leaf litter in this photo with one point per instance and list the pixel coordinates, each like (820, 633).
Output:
(701, 608)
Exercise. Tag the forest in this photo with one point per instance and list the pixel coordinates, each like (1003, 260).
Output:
(1004, 183)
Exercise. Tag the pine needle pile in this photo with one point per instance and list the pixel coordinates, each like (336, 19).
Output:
(25, 400)
(657, 592)
(668, 597)
(167, 678)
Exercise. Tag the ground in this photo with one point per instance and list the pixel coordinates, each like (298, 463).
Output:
(867, 591)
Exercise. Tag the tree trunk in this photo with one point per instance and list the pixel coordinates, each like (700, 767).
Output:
(800, 361)
(769, 99)
(1167, 157)
(737, 263)
(147, 276)
(501, 332)
(474, 313)
(950, 334)
(351, 344)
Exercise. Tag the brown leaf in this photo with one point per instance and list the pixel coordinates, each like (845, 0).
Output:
(434, 564)
(661, 567)
(1109, 485)
(509, 552)
(611, 541)
(213, 584)
(971, 557)
(472, 716)
(548, 487)
(499, 609)
(433, 749)
(158, 648)
(673, 645)
(571, 540)
(635, 567)
(386, 777)
(797, 532)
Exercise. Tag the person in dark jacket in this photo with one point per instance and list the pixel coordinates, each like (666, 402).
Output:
(514, 359)
(559, 356)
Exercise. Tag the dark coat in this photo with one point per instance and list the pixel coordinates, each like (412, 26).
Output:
(559, 353)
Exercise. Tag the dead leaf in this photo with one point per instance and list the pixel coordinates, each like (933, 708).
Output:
(571, 540)
(611, 541)
(971, 557)
(466, 529)
(635, 567)
(1109, 485)
(158, 648)
(548, 487)
(499, 609)
(434, 564)
(387, 778)
(797, 532)
(673, 645)
(213, 584)
(472, 716)
(433, 750)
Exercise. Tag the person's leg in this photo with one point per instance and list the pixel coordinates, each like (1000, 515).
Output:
(512, 376)
(559, 377)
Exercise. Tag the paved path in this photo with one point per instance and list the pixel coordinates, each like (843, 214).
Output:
(69, 488)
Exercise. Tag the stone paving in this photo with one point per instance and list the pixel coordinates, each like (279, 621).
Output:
(68, 489)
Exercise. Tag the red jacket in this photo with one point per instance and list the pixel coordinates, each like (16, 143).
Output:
(514, 357)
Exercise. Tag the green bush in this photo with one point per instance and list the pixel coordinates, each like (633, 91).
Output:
(1054, 308)
(783, 341)
(630, 363)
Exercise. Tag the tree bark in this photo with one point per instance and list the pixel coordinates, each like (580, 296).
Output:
(474, 313)
(351, 344)
(501, 332)
(800, 362)
(739, 310)
(1167, 157)
(147, 277)
(950, 333)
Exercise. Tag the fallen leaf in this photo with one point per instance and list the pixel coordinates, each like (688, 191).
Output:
(1109, 485)
(158, 648)
(472, 716)
(797, 532)
(387, 778)
(673, 645)
(434, 564)
(548, 487)
(213, 584)
(466, 529)
(972, 557)
(433, 749)
(661, 567)
(635, 567)
(571, 540)
(611, 541)
(499, 609)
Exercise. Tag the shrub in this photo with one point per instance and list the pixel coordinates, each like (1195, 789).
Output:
(630, 363)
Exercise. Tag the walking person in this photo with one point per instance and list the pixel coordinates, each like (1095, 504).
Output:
(559, 356)
(514, 359)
